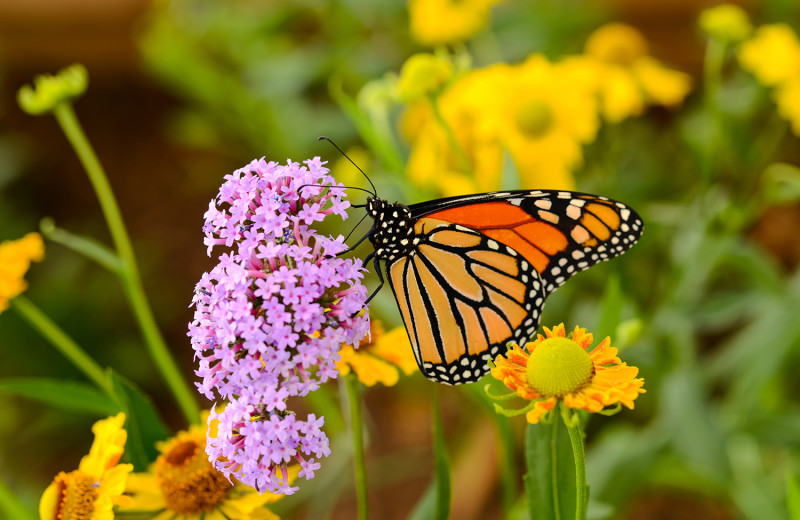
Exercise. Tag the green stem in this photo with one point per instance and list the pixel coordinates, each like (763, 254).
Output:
(359, 462)
(129, 274)
(442, 468)
(62, 342)
(554, 469)
(712, 79)
(576, 438)
(461, 155)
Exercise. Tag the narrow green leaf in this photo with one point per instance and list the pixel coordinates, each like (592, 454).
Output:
(435, 502)
(550, 480)
(71, 396)
(793, 497)
(611, 309)
(11, 507)
(143, 423)
(87, 246)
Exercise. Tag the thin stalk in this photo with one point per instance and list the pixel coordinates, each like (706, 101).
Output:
(712, 79)
(62, 342)
(458, 151)
(129, 273)
(554, 469)
(576, 438)
(359, 461)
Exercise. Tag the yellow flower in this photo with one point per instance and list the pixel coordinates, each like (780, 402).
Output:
(15, 259)
(557, 368)
(532, 112)
(378, 358)
(438, 22)
(91, 491)
(183, 485)
(625, 77)
(772, 54)
(787, 96)
(726, 22)
(423, 74)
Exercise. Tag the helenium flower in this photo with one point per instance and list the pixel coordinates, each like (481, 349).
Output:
(271, 316)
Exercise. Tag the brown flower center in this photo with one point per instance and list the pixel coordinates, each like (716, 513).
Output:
(76, 496)
(189, 482)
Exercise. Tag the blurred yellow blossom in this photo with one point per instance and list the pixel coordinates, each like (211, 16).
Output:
(787, 96)
(379, 358)
(15, 260)
(772, 54)
(182, 483)
(439, 22)
(91, 491)
(423, 74)
(625, 77)
(726, 22)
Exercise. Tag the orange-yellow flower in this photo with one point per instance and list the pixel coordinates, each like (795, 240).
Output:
(626, 78)
(555, 368)
(15, 260)
(91, 491)
(439, 22)
(183, 484)
(772, 54)
(380, 357)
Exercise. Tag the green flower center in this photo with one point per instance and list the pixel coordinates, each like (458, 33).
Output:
(534, 117)
(559, 366)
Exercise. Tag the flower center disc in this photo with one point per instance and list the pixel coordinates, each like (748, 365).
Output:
(558, 366)
(77, 496)
(534, 117)
(189, 482)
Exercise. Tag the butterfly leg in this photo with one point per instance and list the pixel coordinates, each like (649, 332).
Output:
(377, 265)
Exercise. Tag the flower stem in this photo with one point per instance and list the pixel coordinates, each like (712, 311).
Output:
(712, 79)
(458, 150)
(573, 424)
(554, 469)
(129, 273)
(62, 342)
(357, 427)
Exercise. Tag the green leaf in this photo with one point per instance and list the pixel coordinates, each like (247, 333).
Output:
(435, 502)
(11, 507)
(143, 423)
(71, 396)
(550, 481)
(611, 310)
(793, 497)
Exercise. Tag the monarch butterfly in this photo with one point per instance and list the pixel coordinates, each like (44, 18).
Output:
(472, 273)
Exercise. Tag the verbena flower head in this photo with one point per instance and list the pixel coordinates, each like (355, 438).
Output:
(555, 368)
(183, 483)
(91, 491)
(379, 358)
(15, 260)
(271, 316)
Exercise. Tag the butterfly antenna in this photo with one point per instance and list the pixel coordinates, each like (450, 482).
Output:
(374, 191)
(335, 187)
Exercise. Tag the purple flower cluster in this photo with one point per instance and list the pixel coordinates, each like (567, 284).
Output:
(271, 316)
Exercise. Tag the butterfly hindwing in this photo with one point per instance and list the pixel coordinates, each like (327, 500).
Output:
(463, 297)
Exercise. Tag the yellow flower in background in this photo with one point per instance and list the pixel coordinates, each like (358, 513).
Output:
(439, 22)
(15, 260)
(556, 368)
(182, 484)
(380, 357)
(625, 77)
(772, 54)
(787, 97)
(423, 74)
(91, 491)
(726, 22)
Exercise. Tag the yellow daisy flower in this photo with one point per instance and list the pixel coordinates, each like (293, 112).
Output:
(626, 78)
(439, 22)
(15, 260)
(726, 22)
(183, 485)
(557, 368)
(787, 97)
(91, 491)
(772, 54)
(423, 74)
(379, 357)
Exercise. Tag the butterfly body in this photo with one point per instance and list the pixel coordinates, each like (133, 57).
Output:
(471, 274)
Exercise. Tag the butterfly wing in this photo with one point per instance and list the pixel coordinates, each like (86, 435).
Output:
(463, 296)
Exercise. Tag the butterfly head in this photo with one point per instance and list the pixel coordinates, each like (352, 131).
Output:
(393, 229)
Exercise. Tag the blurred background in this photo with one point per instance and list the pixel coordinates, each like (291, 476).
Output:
(183, 92)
